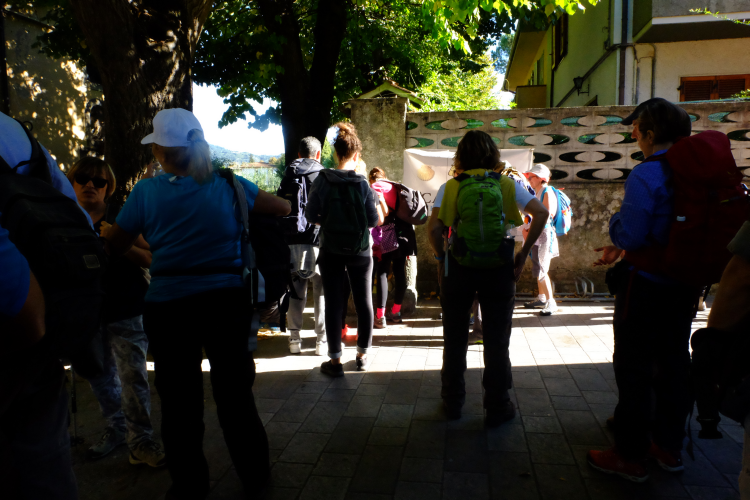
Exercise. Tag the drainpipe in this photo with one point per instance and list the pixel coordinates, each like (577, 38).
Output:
(623, 49)
(552, 82)
(653, 72)
(4, 86)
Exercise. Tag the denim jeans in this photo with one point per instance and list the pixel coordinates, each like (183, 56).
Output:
(122, 389)
(495, 289)
(297, 307)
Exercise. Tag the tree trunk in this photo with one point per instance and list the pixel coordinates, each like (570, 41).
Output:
(306, 96)
(144, 53)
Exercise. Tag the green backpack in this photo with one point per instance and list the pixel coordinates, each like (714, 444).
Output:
(478, 233)
(344, 225)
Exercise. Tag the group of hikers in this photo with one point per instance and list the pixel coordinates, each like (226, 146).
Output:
(183, 275)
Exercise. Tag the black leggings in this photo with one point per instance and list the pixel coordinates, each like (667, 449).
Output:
(346, 291)
(333, 270)
(398, 258)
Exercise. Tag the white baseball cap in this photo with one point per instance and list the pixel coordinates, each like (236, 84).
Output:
(171, 128)
(541, 171)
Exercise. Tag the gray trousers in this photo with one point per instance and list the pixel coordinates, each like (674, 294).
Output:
(122, 388)
(297, 307)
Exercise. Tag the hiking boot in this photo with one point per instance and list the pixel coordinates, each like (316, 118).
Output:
(670, 461)
(610, 462)
(295, 346)
(395, 318)
(331, 369)
(452, 410)
(362, 363)
(149, 453)
(535, 304)
(321, 348)
(549, 309)
(496, 417)
(111, 439)
(379, 323)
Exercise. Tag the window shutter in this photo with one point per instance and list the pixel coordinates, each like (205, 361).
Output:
(704, 88)
(729, 87)
(697, 90)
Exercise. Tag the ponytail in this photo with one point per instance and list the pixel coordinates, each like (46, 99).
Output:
(194, 160)
(199, 165)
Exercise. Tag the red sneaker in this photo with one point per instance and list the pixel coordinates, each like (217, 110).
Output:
(668, 460)
(610, 462)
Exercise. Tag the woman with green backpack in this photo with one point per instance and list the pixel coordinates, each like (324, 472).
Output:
(480, 207)
(343, 204)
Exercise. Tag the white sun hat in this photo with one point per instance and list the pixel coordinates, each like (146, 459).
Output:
(541, 171)
(171, 128)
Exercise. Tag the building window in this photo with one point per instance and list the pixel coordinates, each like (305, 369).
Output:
(540, 71)
(560, 32)
(706, 88)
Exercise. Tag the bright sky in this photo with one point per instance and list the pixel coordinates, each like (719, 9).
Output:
(208, 108)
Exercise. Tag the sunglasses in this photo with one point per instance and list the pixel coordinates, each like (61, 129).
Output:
(84, 179)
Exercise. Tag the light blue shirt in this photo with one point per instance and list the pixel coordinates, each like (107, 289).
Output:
(15, 148)
(188, 225)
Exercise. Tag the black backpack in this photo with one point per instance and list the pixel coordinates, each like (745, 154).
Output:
(265, 253)
(720, 377)
(410, 205)
(63, 251)
(295, 189)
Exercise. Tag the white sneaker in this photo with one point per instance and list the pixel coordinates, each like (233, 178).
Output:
(549, 309)
(321, 348)
(294, 346)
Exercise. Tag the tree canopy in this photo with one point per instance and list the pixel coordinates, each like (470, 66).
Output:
(460, 90)
(307, 55)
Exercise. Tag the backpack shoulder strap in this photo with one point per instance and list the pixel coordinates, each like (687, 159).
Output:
(4, 167)
(39, 168)
(38, 163)
(250, 273)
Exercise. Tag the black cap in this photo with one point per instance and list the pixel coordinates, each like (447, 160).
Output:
(668, 121)
(637, 112)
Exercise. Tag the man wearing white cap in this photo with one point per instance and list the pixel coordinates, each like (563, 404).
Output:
(545, 248)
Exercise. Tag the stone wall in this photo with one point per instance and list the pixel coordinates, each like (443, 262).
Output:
(588, 150)
(380, 123)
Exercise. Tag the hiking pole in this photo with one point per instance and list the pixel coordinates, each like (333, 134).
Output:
(75, 440)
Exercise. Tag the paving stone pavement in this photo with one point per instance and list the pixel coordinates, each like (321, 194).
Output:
(382, 434)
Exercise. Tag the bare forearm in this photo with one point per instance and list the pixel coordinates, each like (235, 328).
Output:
(537, 226)
(119, 242)
(435, 229)
(139, 256)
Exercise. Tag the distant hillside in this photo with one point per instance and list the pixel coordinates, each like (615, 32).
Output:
(238, 156)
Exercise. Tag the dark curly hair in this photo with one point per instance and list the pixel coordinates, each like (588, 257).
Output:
(476, 149)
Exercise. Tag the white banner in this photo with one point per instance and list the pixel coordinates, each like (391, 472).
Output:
(427, 170)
